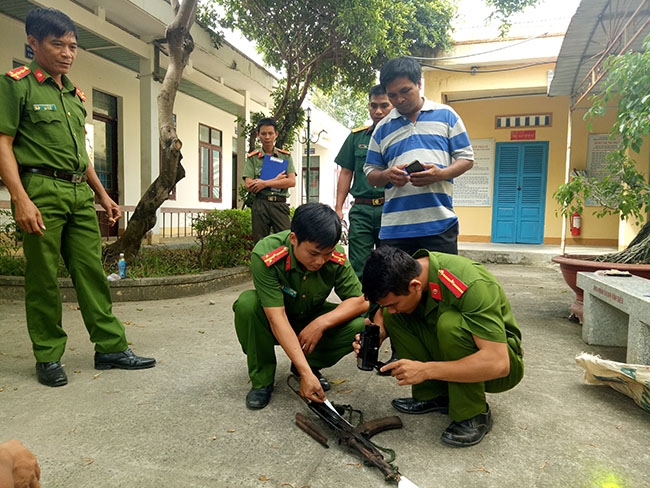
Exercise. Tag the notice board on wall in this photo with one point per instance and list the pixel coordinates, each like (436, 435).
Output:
(474, 188)
(599, 146)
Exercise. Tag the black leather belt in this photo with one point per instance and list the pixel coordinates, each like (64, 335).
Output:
(272, 198)
(375, 202)
(52, 173)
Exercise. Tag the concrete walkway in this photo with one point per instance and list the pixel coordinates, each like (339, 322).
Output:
(184, 423)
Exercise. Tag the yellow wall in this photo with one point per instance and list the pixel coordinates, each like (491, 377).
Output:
(482, 97)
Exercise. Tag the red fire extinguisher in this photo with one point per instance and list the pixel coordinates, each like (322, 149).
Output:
(576, 220)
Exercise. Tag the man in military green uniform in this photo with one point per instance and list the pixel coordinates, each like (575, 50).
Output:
(365, 214)
(454, 332)
(43, 162)
(270, 209)
(294, 272)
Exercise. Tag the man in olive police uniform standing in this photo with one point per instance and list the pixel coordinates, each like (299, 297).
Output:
(454, 331)
(270, 208)
(43, 162)
(294, 272)
(365, 214)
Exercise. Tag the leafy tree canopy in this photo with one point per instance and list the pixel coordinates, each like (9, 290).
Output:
(347, 106)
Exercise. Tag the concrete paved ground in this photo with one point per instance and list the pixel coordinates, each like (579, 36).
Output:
(184, 423)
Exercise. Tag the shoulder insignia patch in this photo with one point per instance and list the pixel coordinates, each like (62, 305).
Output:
(256, 152)
(456, 286)
(80, 94)
(39, 75)
(282, 151)
(275, 255)
(359, 129)
(436, 292)
(19, 73)
(338, 257)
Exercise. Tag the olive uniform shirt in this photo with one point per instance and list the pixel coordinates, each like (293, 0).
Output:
(352, 156)
(47, 124)
(253, 168)
(281, 282)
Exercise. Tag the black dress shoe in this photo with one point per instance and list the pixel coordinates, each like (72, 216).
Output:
(413, 406)
(323, 381)
(51, 374)
(122, 360)
(468, 432)
(259, 397)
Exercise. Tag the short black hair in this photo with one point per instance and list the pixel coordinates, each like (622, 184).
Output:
(42, 22)
(400, 67)
(317, 223)
(376, 91)
(267, 121)
(388, 270)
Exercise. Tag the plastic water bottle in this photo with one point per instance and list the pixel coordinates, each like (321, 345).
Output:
(121, 266)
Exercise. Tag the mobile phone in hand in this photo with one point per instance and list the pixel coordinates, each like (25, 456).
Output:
(414, 167)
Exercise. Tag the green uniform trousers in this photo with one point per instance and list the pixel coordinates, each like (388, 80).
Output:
(267, 215)
(365, 222)
(71, 231)
(258, 342)
(449, 340)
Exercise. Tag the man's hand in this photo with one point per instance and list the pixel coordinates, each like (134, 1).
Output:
(431, 174)
(28, 217)
(112, 209)
(406, 371)
(311, 389)
(18, 466)
(397, 175)
(310, 335)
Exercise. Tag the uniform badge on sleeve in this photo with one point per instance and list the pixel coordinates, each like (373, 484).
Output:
(456, 286)
(275, 255)
(338, 257)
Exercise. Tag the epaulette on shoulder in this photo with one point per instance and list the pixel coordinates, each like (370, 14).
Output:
(338, 258)
(256, 152)
(275, 255)
(456, 286)
(283, 151)
(359, 129)
(80, 94)
(19, 73)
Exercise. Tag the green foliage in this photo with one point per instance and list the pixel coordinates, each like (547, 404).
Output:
(10, 236)
(225, 237)
(161, 261)
(504, 9)
(624, 190)
(348, 106)
(324, 43)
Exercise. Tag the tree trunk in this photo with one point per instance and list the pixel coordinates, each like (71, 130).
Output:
(638, 252)
(180, 45)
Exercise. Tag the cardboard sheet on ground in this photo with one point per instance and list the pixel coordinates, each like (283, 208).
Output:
(632, 380)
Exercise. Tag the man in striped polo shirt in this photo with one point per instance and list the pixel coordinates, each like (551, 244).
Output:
(418, 211)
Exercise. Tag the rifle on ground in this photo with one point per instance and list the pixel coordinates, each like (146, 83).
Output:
(357, 438)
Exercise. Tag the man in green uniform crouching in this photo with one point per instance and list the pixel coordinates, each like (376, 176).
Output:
(294, 272)
(43, 162)
(454, 332)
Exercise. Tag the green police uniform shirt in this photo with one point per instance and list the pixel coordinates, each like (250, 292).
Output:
(467, 287)
(352, 156)
(47, 123)
(280, 281)
(253, 168)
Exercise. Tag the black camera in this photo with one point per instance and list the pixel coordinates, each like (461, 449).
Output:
(369, 352)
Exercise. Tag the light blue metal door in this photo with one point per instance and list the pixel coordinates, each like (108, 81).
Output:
(520, 192)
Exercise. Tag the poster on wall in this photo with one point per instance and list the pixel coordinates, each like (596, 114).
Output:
(599, 146)
(474, 188)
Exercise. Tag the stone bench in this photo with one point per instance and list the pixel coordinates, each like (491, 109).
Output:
(617, 313)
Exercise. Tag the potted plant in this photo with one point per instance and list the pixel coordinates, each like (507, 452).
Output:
(624, 191)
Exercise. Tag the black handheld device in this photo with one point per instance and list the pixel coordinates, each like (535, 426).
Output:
(369, 352)
(414, 167)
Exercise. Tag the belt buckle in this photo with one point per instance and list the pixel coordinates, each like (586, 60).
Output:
(272, 198)
(376, 201)
(77, 178)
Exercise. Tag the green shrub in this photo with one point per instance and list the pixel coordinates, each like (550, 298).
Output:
(225, 238)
